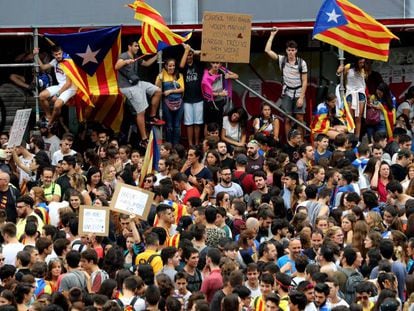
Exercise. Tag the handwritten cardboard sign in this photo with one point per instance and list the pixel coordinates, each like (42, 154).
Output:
(19, 127)
(226, 37)
(93, 219)
(131, 200)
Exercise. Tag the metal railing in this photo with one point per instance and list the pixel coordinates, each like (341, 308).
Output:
(35, 64)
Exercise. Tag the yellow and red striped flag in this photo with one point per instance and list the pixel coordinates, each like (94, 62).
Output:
(152, 155)
(346, 26)
(155, 33)
(91, 67)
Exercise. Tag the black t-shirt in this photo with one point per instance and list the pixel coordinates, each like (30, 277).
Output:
(216, 302)
(192, 79)
(8, 202)
(228, 162)
(292, 152)
(254, 165)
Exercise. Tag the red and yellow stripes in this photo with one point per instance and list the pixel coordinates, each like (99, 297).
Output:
(154, 28)
(320, 124)
(99, 91)
(362, 35)
(350, 123)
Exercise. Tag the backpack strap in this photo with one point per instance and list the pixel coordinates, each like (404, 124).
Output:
(242, 177)
(133, 301)
(151, 258)
(300, 69)
(119, 302)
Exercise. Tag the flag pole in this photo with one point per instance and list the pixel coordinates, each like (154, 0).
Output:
(341, 59)
(159, 60)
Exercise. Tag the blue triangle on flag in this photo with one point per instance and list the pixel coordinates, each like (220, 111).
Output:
(330, 16)
(87, 49)
(162, 45)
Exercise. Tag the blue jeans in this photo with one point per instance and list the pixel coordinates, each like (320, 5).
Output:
(172, 123)
(371, 129)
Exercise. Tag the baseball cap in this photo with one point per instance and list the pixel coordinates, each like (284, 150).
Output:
(241, 159)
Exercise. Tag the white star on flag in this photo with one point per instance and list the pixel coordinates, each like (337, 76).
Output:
(333, 16)
(88, 56)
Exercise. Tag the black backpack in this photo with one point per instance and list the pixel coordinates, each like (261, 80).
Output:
(130, 306)
(142, 261)
(352, 280)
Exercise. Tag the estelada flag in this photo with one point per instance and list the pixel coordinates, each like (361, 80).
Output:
(346, 26)
(155, 33)
(91, 67)
(152, 155)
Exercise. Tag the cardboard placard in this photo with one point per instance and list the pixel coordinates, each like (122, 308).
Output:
(19, 127)
(131, 200)
(93, 219)
(226, 37)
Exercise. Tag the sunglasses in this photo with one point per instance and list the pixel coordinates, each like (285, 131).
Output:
(2, 259)
(362, 297)
(148, 180)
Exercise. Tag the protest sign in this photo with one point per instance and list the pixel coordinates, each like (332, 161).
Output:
(19, 127)
(93, 219)
(226, 37)
(131, 200)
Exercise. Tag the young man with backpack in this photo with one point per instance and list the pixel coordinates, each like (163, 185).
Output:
(240, 176)
(74, 277)
(151, 256)
(294, 77)
(129, 301)
(351, 276)
(89, 263)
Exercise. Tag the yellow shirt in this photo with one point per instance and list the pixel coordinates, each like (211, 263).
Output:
(21, 224)
(156, 262)
(284, 303)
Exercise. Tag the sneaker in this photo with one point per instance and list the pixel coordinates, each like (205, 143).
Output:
(156, 121)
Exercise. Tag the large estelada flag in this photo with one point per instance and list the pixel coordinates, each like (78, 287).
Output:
(91, 67)
(346, 26)
(155, 33)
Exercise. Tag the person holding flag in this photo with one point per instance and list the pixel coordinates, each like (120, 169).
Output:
(355, 90)
(136, 90)
(65, 89)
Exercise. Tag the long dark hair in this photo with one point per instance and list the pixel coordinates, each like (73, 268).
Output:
(176, 72)
(386, 97)
(242, 115)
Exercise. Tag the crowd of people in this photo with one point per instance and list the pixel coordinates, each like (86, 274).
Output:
(240, 220)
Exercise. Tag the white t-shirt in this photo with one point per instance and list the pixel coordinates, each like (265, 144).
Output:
(355, 81)
(10, 252)
(58, 156)
(232, 132)
(254, 292)
(52, 145)
(22, 174)
(341, 302)
(138, 306)
(60, 75)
